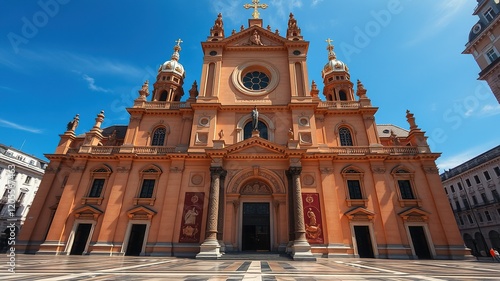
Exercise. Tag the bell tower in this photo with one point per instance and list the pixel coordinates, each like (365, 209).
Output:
(336, 78)
(170, 78)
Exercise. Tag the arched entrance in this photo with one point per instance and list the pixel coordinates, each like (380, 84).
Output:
(255, 216)
(257, 211)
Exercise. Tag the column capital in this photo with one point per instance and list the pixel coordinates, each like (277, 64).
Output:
(218, 171)
(295, 171)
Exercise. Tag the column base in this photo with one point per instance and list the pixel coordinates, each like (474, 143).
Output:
(209, 250)
(302, 251)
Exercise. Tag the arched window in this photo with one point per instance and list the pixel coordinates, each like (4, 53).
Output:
(342, 95)
(261, 126)
(163, 96)
(345, 137)
(158, 137)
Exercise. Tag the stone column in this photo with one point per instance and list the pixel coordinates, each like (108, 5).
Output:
(301, 250)
(210, 248)
(222, 204)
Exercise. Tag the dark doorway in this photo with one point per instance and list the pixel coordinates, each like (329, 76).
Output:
(363, 241)
(81, 237)
(419, 241)
(256, 229)
(136, 240)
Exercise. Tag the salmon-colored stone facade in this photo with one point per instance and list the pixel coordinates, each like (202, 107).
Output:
(251, 159)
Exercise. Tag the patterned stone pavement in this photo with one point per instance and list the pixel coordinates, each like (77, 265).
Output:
(53, 268)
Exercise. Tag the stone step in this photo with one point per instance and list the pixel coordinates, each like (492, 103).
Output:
(268, 256)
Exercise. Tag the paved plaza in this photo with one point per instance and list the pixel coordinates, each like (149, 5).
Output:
(53, 268)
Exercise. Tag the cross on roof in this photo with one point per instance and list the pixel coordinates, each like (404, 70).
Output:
(178, 41)
(255, 5)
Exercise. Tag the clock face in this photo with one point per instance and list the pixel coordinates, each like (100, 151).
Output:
(255, 80)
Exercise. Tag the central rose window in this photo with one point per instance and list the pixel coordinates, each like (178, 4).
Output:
(255, 80)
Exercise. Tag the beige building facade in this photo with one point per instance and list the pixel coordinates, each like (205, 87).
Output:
(251, 159)
(484, 43)
(473, 190)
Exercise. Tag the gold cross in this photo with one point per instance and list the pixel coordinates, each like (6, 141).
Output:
(255, 5)
(178, 41)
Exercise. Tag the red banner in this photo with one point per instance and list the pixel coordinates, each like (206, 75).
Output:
(191, 217)
(312, 218)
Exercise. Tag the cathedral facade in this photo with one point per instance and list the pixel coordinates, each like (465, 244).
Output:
(251, 159)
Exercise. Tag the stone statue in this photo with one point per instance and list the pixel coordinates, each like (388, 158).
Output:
(290, 134)
(221, 134)
(255, 119)
(73, 123)
(255, 39)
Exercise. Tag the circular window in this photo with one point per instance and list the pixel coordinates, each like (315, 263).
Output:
(213, 53)
(476, 28)
(255, 80)
(204, 121)
(296, 52)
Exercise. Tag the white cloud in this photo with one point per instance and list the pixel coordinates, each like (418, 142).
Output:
(444, 13)
(447, 163)
(12, 125)
(92, 85)
(316, 2)
(490, 110)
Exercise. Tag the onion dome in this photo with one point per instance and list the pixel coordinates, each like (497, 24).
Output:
(173, 64)
(333, 65)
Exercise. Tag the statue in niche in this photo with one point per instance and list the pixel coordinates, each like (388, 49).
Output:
(73, 123)
(255, 119)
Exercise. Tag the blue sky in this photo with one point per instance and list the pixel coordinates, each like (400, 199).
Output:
(63, 57)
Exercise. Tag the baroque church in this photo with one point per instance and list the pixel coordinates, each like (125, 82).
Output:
(251, 159)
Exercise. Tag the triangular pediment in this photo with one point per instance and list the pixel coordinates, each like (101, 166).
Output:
(359, 213)
(141, 213)
(255, 37)
(414, 214)
(256, 146)
(88, 212)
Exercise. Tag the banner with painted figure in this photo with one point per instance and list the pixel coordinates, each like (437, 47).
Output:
(191, 217)
(312, 218)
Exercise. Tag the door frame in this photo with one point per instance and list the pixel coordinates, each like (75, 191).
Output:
(72, 234)
(271, 221)
(428, 237)
(372, 237)
(127, 236)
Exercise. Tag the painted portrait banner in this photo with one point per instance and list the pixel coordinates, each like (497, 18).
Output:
(191, 217)
(312, 218)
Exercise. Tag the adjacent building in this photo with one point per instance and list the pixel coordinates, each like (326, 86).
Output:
(484, 43)
(20, 177)
(251, 159)
(473, 190)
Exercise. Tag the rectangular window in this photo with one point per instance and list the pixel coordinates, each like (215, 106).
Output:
(459, 186)
(498, 211)
(480, 217)
(476, 179)
(27, 180)
(147, 188)
(485, 199)
(467, 181)
(15, 175)
(446, 190)
(458, 206)
(487, 214)
(461, 220)
(471, 221)
(354, 189)
(452, 188)
(487, 175)
(492, 55)
(489, 15)
(20, 198)
(405, 189)
(466, 204)
(474, 199)
(97, 187)
(497, 171)
(496, 196)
